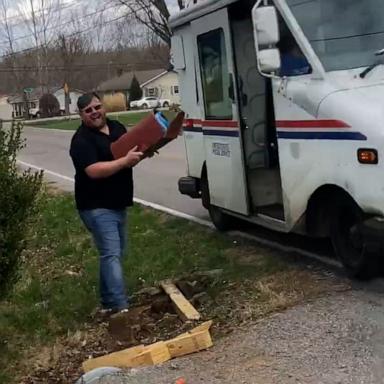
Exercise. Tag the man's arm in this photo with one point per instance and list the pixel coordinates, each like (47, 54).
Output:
(104, 169)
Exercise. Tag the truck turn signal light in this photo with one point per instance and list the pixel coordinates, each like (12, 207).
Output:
(367, 156)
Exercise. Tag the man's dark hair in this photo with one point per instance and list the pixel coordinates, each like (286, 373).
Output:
(85, 99)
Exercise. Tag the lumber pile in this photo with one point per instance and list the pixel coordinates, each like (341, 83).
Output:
(196, 340)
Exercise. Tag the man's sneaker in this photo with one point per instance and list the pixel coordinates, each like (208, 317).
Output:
(102, 314)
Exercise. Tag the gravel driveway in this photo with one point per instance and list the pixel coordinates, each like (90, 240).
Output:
(335, 339)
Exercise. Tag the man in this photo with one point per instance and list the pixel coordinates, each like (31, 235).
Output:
(103, 191)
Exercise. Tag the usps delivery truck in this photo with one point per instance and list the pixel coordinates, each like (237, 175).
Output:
(285, 117)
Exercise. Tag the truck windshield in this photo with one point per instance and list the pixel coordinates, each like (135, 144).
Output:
(345, 34)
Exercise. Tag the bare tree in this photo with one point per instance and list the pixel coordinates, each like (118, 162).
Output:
(41, 19)
(7, 34)
(154, 14)
(71, 48)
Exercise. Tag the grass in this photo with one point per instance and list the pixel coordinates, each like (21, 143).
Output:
(58, 287)
(127, 119)
(59, 283)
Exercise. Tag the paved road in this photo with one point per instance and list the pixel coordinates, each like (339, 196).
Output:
(155, 179)
(337, 339)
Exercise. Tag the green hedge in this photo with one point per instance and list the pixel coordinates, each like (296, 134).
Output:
(19, 191)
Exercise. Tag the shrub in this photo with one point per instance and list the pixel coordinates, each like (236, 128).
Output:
(49, 105)
(135, 91)
(18, 194)
(115, 102)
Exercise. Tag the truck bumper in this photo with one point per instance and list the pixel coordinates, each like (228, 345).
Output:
(190, 186)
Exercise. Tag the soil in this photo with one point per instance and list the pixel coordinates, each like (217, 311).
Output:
(152, 317)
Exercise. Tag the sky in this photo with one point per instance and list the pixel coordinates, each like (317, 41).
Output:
(85, 6)
(172, 5)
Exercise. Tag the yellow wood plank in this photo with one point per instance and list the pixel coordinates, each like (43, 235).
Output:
(184, 308)
(195, 342)
(153, 354)
(121, 359)
(202, 327)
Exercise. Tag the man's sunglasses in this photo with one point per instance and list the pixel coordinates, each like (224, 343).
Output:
(90, 109)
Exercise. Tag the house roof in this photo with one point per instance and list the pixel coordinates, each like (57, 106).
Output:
(32, 96)
(124, 81)
(156, 77)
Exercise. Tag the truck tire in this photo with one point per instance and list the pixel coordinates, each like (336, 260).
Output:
(347, 240)
(221, 220)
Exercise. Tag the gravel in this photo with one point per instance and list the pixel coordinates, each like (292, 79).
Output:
(334, 339)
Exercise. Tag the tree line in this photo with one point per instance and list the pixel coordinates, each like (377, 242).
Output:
(46, 43)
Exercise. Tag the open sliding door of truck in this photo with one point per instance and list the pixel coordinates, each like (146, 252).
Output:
(220, 124)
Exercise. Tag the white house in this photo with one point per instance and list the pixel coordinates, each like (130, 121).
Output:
(5, 108)
(73, 96)
(164, 86)
(18, 102)
(158, 82)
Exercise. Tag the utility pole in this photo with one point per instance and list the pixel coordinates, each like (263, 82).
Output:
(67, 100)
(26, 91)
(109, 69)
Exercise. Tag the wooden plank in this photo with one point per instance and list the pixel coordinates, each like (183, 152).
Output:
(121, 359)
(202, 327)
(153, 354)
(195, 342)
(184, 308)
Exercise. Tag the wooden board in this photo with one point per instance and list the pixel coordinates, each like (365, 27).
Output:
(121, 359)
(184, 308)
(153, 354)
(185, 345)
(202, 327)
(195, 340)
(130, 358)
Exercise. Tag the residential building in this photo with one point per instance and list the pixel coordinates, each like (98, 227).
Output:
(18, 102)
(163, 86)
(158, 82)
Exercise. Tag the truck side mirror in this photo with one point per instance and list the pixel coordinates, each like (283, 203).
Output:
(269, 60)
(267, 35)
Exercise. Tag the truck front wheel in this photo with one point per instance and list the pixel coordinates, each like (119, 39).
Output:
(348, 241)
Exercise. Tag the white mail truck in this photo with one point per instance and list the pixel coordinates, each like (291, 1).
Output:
(284, 103)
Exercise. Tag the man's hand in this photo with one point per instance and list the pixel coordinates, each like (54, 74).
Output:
(132, 157)
(108, 168)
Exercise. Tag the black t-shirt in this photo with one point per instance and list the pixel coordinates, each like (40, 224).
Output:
(89, 146)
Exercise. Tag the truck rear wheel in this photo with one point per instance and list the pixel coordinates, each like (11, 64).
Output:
(348, 242)
(221, 220)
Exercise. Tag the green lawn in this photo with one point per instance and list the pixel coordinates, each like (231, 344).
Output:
(125, 118)
(58, 287)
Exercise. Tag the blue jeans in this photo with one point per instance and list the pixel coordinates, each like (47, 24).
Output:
(108, 228)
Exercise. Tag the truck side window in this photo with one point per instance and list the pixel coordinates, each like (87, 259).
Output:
(215, 76)
(293, 61)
